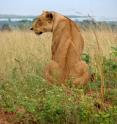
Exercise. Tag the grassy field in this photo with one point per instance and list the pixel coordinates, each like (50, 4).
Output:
(28, 99)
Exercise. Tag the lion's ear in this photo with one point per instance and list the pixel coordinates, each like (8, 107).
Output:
(49, 16)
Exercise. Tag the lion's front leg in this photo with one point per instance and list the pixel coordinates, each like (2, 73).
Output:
(53, 72)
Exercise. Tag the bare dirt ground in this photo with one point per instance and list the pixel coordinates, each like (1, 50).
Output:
(6, 117)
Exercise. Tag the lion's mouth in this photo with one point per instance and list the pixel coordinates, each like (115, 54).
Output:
(38, 33)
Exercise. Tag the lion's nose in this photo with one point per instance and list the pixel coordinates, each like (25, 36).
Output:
(31, 28)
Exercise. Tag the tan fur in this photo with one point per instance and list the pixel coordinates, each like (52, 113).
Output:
(67, 47)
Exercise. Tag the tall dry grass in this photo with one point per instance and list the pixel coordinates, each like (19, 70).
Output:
(103, 41)
(23, 48)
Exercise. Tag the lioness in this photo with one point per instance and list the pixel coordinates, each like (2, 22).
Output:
(67, 47)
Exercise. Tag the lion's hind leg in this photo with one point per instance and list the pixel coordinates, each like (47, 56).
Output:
(82, 80)
(83, 74)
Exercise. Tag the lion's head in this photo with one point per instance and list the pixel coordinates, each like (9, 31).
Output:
(43, 23)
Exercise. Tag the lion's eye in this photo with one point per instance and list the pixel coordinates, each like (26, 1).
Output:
(40, 23)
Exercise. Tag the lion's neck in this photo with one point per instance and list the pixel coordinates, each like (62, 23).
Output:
(57, 19)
